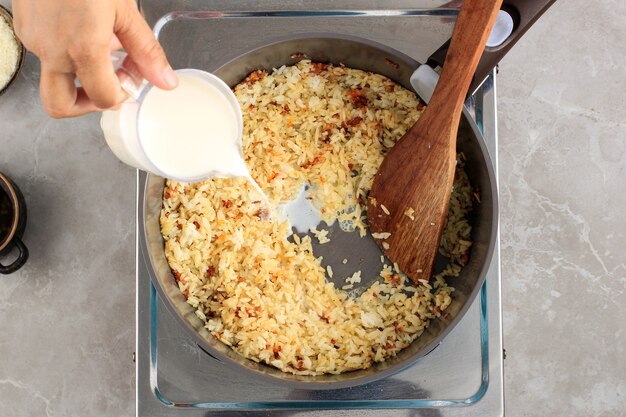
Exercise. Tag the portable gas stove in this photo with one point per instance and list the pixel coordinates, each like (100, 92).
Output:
(461, 377)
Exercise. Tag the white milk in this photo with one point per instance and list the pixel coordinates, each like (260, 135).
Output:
(188, 134)
(301, 214)
(191, 131)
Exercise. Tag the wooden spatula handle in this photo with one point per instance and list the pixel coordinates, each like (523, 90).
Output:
(418, 172)
(472, 29)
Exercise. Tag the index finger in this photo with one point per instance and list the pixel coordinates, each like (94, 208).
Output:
(143, 48)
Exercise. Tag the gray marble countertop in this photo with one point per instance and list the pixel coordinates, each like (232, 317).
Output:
(67, 319)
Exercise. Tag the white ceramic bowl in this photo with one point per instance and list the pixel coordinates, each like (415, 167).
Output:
(6, 14)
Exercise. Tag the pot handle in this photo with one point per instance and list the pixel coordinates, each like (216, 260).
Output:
(21, 259)
(524, 14)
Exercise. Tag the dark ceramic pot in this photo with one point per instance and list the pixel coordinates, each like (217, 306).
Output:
(12, 224)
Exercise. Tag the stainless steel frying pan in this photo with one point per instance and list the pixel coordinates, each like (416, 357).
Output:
(370, 56)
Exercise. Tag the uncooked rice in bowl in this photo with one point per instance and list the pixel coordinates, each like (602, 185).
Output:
(267, 296)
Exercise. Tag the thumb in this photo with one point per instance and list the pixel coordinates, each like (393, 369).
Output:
(143, 49)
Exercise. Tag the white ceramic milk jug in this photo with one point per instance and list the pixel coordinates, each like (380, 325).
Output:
(188, 134)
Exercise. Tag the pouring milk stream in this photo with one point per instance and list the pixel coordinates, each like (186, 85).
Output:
(187, 134)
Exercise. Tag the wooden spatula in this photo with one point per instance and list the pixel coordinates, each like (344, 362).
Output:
(415, 178)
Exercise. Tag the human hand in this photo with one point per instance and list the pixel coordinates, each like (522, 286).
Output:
(74, 38)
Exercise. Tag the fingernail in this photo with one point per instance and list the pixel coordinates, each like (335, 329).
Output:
(169, 76)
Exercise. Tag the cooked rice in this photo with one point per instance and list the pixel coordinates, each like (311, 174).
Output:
(321, 235)
(266, 296)
(383, 235)
(354, 278)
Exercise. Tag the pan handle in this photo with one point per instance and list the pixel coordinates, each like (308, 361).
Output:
(524, 13)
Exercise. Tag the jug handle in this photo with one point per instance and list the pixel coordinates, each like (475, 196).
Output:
(131, 80)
